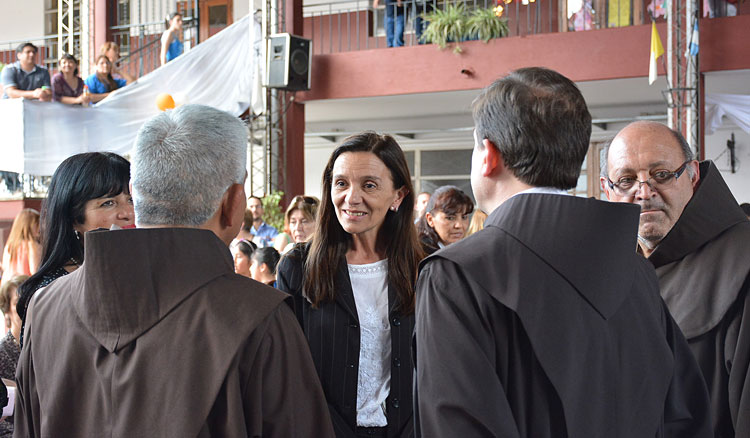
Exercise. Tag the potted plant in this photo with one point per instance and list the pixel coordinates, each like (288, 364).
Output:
(455, 23)
(446, 26)
(485, 25)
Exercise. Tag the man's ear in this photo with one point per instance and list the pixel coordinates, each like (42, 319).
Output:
(492, 159)
(233, 200)
(696, 173)
(603, 184)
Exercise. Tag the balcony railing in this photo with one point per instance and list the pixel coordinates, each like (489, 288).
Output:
(140, 44)
(350, 25)
(46, 57)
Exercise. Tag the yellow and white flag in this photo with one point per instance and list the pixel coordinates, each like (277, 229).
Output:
(656, 51)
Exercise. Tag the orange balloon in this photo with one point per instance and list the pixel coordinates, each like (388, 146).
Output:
(164, 102)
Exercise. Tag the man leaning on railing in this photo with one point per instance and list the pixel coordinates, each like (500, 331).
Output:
(24, 78)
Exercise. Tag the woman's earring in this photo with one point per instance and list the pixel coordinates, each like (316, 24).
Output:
(78, 235)
(394, 208)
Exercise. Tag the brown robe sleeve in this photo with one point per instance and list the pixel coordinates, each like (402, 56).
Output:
(282, 394)
(26, 416)
(457, 390)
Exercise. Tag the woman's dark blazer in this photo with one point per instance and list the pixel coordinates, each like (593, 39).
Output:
(332, 330)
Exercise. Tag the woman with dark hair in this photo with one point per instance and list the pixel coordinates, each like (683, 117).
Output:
(353, 287)
(67, 86)
(87, 191)
(244, 250)
(445, 218)
(263, 268)
(101, 83)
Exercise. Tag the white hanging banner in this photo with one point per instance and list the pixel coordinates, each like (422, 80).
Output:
(736, 107)
(219, 72)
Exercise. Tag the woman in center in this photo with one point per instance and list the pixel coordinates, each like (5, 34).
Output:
(353, 288)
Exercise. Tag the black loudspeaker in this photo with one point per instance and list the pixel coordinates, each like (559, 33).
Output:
(288, 62)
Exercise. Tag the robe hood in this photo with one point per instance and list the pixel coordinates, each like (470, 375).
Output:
(104, 287)
(702, 262)
(536, 220)
(701, 221)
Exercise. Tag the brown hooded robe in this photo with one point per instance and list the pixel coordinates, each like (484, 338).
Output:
(703, 265)
(155, 336)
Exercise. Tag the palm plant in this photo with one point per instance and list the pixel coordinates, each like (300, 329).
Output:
(446, 25)
(485, 25)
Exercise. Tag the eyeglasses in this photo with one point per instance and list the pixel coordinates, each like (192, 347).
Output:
(661, 178)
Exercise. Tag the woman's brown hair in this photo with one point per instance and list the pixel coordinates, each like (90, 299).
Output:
(25, 228)
(308, 205)
(397, 236)
(108, 79)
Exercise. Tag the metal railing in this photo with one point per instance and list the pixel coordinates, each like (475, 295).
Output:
(140, 44)
(46, 57)
(350, 25)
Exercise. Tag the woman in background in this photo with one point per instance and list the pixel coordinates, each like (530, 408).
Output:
(112, 52)
(299, 223)
(263, 268)
(353, 287)
(102, 83)
(87, 191)
(445, 219)
(67, 86)
(243, 257)
(22, 252)
(10, 348)
(171, 39)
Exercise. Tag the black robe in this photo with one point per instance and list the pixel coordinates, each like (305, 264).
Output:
(548, 324)
(703, 265)
(156, 336)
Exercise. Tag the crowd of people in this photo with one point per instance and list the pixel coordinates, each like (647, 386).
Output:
(25, 79)
(379, 311)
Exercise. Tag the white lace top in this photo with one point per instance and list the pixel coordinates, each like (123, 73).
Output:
(370, 287)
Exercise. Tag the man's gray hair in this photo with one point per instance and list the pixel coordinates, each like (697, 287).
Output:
(687, 152)
(184, 161)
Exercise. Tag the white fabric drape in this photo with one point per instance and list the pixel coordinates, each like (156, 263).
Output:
(219, 72)
(736, 107)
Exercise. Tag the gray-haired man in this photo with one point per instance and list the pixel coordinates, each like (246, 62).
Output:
(155, 335)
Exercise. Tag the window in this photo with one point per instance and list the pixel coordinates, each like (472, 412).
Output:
(431, 169)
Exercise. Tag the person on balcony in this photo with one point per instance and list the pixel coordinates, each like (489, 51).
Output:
(102, 83)
(171, 42)
(24, 78)
(67, 86)
(395, 18)
(112, 52)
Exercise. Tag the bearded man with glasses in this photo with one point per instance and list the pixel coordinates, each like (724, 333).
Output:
(695, 234)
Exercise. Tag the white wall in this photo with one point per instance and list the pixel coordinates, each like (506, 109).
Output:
(730, 82)
(316, 159)
(240, 8)
(21, 20)
(716, 150)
